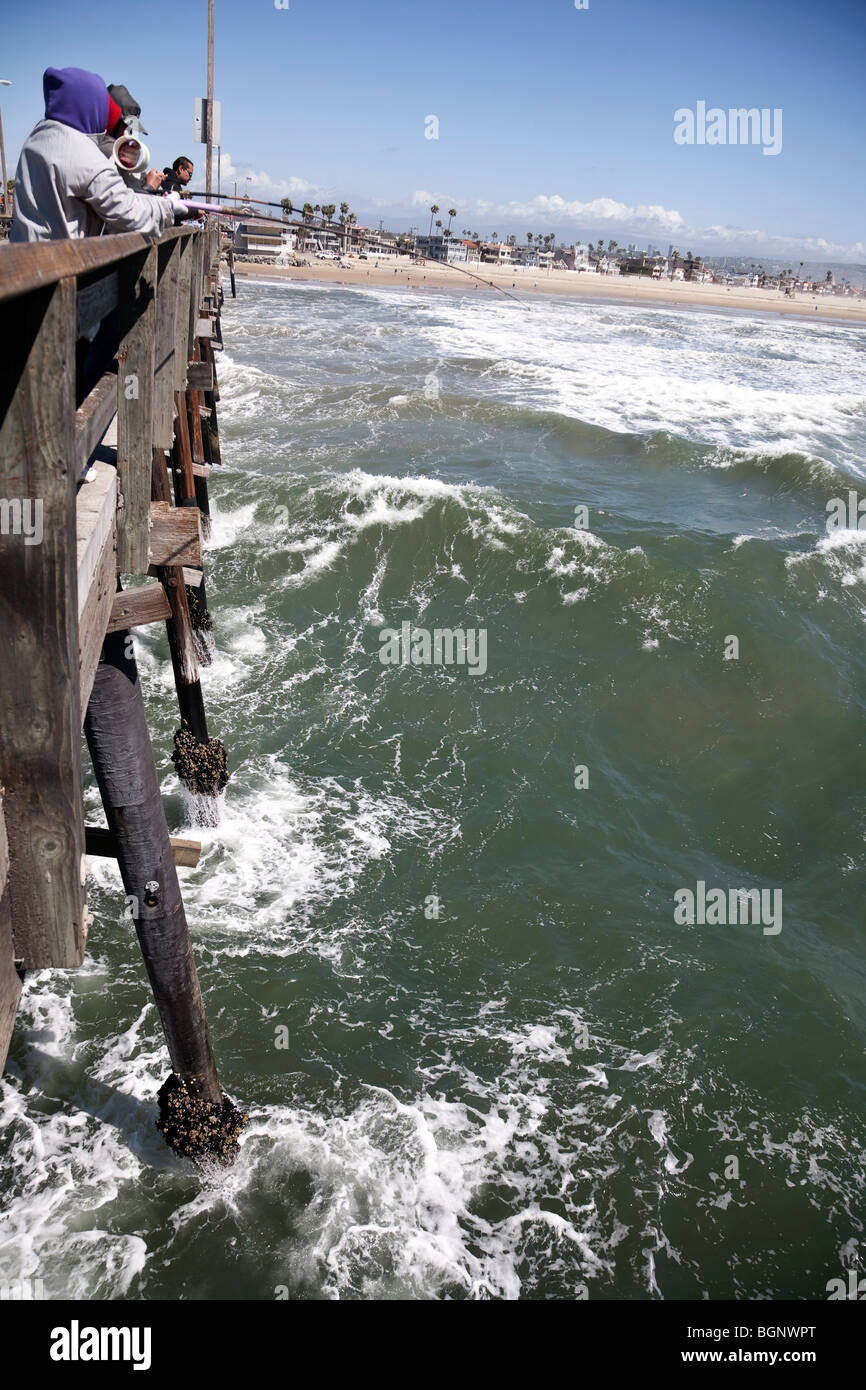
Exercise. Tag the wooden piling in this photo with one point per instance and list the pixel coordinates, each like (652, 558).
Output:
(200, 760)
(40, 725)
(119, 743)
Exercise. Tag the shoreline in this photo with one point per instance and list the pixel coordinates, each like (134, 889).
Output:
(570, 284)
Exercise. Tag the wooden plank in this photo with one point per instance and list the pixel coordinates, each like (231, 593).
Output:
(95, 509)
(10, 980)
(96, 542)
(165, 356)
(94, 617)
(29, 266)
(196, 287)
(199, 376)
(38, 265)
(40, 732)
(194, 419)
(135, 401)
(192, 578)
(4, 847)
(98, 294)
(181, 328)
(182, 451)
(138, 607)
(175, 535)
(102, 844)
(204, 328)
(94, 415)
(201, 470)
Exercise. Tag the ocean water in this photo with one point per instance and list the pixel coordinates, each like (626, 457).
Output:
(509, 1071)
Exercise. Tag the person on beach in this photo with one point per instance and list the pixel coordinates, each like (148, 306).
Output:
(179, 175)
(65, 187)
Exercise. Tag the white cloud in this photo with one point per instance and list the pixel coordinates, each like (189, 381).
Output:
(262, 185)
(552, 208)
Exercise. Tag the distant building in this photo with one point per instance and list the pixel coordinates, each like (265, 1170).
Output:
(449, 250)
(497, 253)
(253, 238)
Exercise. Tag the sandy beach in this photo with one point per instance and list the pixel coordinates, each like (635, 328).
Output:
(582, 285)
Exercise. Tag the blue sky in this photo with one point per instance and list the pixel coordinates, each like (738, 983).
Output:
(550, 118)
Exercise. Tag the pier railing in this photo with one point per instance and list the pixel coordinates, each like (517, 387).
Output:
(107, 395)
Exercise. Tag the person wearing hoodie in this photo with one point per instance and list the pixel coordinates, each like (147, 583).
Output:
(64, 185)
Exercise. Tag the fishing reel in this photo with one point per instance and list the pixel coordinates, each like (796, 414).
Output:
(130, 154)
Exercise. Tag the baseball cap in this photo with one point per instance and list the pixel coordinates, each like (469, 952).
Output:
(128, 105)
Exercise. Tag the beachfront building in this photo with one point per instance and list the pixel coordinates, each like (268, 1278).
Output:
(449, 250)
(265, 239)
(651, 267)
(497, 253)
(379, 244)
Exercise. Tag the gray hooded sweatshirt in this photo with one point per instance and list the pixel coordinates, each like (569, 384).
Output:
(64, 185)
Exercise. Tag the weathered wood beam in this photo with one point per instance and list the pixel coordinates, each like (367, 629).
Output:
(199, 376)
(175, 535)
(40, 731)
(10, 980)
(135, 407)
(95, 511)
(181, 329)
(28, 267)
(181, 450)
(102, 843)
(94, 415)
(138, 607)
(165, 360)
(4, 846)
(96, 537)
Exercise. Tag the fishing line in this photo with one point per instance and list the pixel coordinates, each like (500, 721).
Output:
(430, 260)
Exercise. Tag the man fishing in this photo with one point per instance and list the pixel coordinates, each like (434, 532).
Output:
(64, 185)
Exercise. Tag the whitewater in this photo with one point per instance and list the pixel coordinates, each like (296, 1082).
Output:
(482, 1060)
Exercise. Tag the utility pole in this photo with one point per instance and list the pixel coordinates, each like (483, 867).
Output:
(209, 108)
(4, 82)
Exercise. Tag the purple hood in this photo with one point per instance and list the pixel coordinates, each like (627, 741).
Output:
(76, 98)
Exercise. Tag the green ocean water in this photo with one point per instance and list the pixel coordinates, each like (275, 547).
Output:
(509, 1072)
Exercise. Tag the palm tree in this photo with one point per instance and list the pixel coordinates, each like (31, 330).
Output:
(328, 210)
(317, 207)
(307, 213)
(452, 212)
(529, 238)
(433, 211)
(287, 206)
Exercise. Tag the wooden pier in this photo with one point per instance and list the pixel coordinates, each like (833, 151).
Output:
(108, 434)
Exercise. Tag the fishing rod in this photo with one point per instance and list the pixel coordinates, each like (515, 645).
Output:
(429, 260)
